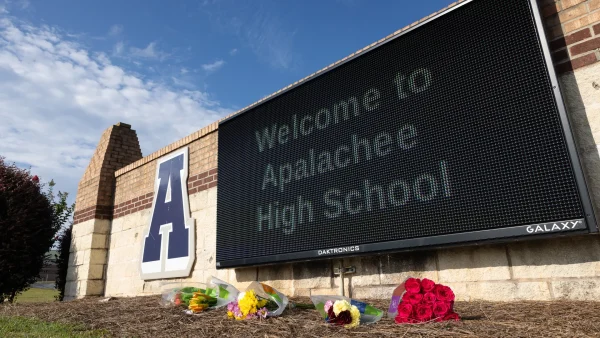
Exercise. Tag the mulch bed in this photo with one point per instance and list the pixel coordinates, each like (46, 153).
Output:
(145, 317)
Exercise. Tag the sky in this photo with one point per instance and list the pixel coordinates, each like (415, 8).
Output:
(71, 69)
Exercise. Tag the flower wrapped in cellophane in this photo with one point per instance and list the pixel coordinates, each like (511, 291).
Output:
(347, 312)
(259, 301)
(419, 301)
(341, 312)
(180, 296)
(222, 291)
(195, 299)
(200, 301)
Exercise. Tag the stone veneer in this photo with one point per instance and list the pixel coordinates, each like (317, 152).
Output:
(108, 234)
(533, 270)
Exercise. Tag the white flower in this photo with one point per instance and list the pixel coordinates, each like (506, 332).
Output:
(241, 295)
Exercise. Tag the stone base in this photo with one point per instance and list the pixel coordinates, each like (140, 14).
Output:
(532, 270)
(87, 261)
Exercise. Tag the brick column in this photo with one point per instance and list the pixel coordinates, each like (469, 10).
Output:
(118, 147)
(573, 29)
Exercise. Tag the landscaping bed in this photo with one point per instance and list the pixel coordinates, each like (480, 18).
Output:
(144, 316)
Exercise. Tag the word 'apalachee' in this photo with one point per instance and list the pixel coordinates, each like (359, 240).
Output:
(360, 149)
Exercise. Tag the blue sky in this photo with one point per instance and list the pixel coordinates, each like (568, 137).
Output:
(70, 69)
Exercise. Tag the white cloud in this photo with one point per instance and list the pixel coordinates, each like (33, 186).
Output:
(211, 67)
(183, 82)
(119, 48)
(184, 71)
(115, 30)
(259, 26)
(233, 51)
(56, 99)
(150, 52)
(22, 5)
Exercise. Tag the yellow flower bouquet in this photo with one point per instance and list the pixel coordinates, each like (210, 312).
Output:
(259, 301)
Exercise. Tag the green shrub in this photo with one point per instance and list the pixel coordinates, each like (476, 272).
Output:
(29, 221)
(62, 260)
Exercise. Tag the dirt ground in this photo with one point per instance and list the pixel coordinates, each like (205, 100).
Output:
(145, 317)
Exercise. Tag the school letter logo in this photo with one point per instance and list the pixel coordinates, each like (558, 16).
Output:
(168, 249)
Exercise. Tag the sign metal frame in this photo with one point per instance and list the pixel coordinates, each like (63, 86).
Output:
(585, 225)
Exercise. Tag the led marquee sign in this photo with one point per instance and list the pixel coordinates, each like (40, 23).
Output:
(452, 132)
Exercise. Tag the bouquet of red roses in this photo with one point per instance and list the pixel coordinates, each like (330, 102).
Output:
(425, 300)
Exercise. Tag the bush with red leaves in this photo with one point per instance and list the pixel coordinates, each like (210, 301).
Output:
(29, 221)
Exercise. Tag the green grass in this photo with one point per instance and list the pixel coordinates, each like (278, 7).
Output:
(28, 327)
(36, 296)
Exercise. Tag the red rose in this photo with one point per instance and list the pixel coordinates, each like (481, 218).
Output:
(440, 309)
(427, 285)
(429, 298)
(443, 293)
(452, 316)
(404, 310)
(35, 178)
(412, 285)
(405, 297)
(342, 318)
(450, 294)
(412, 298)
(400, 320)
(423, 312)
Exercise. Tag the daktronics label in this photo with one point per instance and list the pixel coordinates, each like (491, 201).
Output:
(334, 251)
(451, 128)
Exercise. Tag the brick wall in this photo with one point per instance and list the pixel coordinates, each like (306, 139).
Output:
(118, 147)
(134, 185)
(196, 183)
(573, 30)
(137, 179)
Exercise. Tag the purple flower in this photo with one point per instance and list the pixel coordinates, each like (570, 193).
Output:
(231, 306)
(328, 305)
(262, 312)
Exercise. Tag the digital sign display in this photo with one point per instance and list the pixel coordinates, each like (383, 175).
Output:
(451, 132)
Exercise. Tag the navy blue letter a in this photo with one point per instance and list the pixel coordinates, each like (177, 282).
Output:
(168, 249)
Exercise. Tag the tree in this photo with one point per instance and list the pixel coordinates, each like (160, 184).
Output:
(29, 221)
(62, 260)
